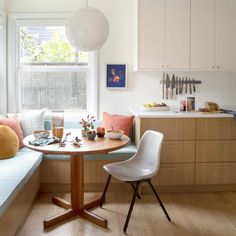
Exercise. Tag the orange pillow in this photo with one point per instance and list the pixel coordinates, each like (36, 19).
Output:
(14, 124)
(119, 122)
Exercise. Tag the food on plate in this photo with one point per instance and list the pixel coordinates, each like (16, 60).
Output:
(155, 105)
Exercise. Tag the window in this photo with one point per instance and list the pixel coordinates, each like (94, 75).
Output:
(49, 71)
(2, 64)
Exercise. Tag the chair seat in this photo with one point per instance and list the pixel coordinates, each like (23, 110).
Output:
(129, 171)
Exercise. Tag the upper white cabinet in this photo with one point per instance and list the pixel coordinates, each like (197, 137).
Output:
(163, 35)
(186, 34)
(177, 35)
(226, 34)
(202, 34)
(213, 35)
(151, 34)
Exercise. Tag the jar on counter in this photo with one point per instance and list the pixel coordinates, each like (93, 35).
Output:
(182, 106)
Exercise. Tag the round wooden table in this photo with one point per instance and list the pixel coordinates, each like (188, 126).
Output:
(77, 206)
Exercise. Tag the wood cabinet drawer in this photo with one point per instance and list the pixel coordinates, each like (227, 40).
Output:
(173, 129)
(178, 151)
(175, 174)
(215, 173)
(216, 151)
(216, 128)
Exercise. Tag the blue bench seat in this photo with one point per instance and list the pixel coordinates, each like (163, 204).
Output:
(15, 173)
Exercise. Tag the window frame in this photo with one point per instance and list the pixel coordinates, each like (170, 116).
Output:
(56, 19)
(3, 82)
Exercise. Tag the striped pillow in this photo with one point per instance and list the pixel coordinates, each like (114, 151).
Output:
(30, 121)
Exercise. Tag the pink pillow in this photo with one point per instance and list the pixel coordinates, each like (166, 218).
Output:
(118, 122)
(14, 124)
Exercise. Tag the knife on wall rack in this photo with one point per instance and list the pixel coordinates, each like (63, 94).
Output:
(167, 85)
(163, 86)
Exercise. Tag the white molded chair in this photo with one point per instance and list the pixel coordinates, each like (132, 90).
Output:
(138, 169)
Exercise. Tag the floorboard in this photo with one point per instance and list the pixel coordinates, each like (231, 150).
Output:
(193, 214)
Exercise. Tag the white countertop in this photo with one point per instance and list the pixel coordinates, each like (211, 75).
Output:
(137, 112)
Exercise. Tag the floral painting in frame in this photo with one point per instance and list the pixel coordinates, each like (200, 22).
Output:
(116, 76)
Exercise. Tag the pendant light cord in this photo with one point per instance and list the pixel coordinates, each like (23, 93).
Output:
(86, 3)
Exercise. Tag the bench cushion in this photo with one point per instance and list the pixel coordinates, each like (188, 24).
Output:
(121, 154)
(14, 174)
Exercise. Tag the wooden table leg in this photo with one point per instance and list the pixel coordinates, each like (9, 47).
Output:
(59, 218)
(77, 206)
(61, 202)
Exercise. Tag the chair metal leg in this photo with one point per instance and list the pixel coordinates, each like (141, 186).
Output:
(131, 205)
(105, 190)
(158, 198)
(132, 185)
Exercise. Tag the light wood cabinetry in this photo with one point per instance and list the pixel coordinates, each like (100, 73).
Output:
(196, 151)
(163, 35)
(174, 129)
(178, 150)
(213, 35)
(215, 173)
(212, 129)
(216, 151)
(175, 174)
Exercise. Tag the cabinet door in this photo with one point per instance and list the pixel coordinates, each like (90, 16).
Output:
(216, 151)
(215, 173)
(216, 128)
(226, 34)
(177, 42)
(203, 34)
(151, 34)
(178, 152)
(175, 174)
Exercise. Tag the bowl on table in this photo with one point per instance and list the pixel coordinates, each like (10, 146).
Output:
(41, 134)
(114, 134)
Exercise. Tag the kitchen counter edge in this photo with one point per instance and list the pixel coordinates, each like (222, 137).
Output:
(176, 114)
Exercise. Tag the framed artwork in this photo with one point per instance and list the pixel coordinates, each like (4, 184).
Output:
(116, 76)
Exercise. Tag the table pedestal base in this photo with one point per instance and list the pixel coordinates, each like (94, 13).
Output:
(70, 213)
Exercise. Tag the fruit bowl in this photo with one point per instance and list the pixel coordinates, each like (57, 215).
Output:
(155, 107)
(41, 134)
(114, 134)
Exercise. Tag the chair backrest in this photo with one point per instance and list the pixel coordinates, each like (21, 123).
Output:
(149, 150)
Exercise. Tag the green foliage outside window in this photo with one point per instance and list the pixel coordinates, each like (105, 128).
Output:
(56, 49)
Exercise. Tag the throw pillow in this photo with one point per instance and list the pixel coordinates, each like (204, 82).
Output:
(14, 124)
(119, 122)
(30, 121)
(9, 142)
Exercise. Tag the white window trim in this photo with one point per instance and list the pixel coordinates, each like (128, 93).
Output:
(14, 21)
(3, 82)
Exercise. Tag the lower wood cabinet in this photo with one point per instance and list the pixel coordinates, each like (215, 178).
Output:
(215, 173)
(175, 174)
(216, 151)
(178, 152)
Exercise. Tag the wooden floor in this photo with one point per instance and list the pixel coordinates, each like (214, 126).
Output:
(205, 214)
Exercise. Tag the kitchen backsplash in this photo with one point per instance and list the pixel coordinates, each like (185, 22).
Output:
(219, 87)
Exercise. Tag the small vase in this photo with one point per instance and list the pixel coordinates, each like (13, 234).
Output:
(91, 135)
(84, 133)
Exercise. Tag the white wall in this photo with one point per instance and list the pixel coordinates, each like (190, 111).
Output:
(2, 5)
(142, 87)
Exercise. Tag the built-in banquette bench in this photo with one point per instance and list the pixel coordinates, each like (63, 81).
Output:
(22, 176)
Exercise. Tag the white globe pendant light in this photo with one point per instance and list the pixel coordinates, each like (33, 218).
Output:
(87, 29)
